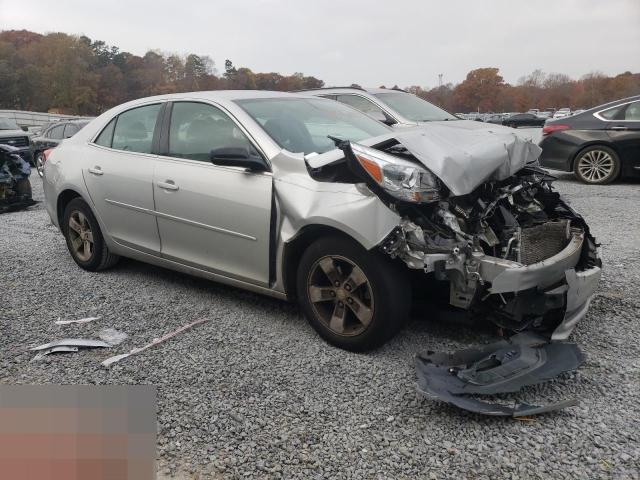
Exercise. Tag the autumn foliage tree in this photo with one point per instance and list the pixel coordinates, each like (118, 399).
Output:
(78, 75)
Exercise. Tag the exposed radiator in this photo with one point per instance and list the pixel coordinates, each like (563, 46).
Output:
(543, 241)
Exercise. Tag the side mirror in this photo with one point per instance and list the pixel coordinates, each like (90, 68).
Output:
(237, 157)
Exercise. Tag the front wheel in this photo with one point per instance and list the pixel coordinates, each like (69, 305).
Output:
(355, 299)
(597, 165)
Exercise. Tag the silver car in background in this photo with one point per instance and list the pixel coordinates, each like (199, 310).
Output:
(305, 198)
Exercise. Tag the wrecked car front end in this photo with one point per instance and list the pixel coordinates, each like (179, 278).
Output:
(512, 251)
(15, 187)
(478, 213)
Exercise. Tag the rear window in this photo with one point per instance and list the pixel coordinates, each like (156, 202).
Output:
(105, 137)
(614, 113)
(134, 129)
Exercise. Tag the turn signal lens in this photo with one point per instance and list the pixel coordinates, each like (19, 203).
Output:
(371, 168)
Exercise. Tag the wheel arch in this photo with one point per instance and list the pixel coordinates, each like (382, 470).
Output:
(63, 200)
(294, 249)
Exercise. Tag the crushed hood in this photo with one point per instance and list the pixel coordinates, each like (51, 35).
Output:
(464, 158)
(461, 155)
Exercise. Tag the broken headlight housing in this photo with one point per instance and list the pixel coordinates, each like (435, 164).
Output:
(400, 178)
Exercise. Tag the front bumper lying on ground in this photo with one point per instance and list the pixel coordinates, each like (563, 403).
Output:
(502, 367)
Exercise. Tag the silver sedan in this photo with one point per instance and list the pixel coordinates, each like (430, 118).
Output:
(305, 198)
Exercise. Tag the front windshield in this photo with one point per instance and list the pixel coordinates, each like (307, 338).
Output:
(303, 124)
(414, 108)
(8, 124)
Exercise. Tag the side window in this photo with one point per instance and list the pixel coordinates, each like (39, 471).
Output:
(197, 128)
(104, 139)
(134, 129)
(632, 112)
(56, 133)
(360, 103)
(70, 130)
(614, 113)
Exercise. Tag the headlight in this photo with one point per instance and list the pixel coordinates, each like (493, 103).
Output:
(400, 178)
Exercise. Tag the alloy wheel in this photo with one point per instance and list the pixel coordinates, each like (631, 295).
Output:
(40, 164)
(596, 166)
(81, 236)
(340, 295)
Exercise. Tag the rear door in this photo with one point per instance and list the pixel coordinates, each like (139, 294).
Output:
(623, 127)
(119, 175)
(211, 217)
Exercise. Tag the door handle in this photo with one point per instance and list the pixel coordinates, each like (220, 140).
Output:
(168, 185)
(96, 170)
(618, 127)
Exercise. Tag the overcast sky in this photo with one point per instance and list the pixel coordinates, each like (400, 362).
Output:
(404, 42)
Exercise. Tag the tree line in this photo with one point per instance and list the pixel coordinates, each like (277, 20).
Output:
(64, 73)
(485, 90)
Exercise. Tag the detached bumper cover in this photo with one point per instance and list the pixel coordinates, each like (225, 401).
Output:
(503, 367)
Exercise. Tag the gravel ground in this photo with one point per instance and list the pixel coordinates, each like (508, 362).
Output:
(255, 393)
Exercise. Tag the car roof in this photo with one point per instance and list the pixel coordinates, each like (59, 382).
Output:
(315, 91)
(219, 96)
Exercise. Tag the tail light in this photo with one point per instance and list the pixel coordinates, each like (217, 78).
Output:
(554, 127)
(46, 153)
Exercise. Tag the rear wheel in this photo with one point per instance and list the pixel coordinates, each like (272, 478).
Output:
(597, 165)
(40, 163)
(355, 299)
(84, 238)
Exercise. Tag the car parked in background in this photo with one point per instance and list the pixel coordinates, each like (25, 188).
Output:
(11, 134)
(496, 118)
(562, 112)
(544, 115)
(51, 137)
(15, 186)
(305, 198)
(599, 145)
(523, 120)
(401, 109)
(390, 106)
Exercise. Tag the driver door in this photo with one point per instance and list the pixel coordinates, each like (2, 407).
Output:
(211, 217)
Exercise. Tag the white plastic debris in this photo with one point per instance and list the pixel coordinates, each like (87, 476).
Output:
(82, 320)
(112, 336)
(73, 342)
(116, 358)
(67, 345)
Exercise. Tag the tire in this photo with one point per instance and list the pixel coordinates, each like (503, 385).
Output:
(39, 163)
(97, 256)
(597, 165)
(382, 297)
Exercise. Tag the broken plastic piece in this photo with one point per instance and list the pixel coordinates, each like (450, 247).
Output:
(116, 358)
(501, 367)
(112, 336)
(73, 342)
(61, 348)
(82, 320)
